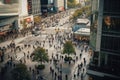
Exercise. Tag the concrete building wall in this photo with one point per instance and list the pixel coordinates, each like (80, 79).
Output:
(65, 4)
(8, 7)
(23, 11)
(99, 28)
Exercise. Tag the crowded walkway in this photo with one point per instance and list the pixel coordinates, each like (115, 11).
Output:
(20, 49)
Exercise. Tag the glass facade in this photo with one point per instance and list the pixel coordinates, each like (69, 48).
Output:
(110, 44)
(94, 22)
(8, 6)
(110, 37)
(109, 6)
(94, 30)
(114, 61)
(29, 6)
(107, 60)
(36, 7)
(111, 25)
(110, 41)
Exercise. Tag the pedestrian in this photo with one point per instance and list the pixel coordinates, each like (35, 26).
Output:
(33, 71)
(8, 56)
(50, 69)
(55, 75)
(58, 77)
(61, 66)
(27, 56)
(11, 58)
(37, 71)
(24, 54)
(30, 69)
(52, 72)
(20, 61)
(50, 61)
(74, 75)
(81, 76)
(76, 58)
(78, 72)
(80, 55)
(83, 70)
(81, 64)
(66, 77)
(62, 57)
(24, 61)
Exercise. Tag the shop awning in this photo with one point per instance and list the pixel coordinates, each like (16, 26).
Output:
(7, 20)
(83, 31)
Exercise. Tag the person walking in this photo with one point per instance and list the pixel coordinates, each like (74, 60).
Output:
(66, 77)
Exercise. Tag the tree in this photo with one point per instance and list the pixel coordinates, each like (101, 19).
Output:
(71, 3)
(20, 72)
(76, 14)
(40, 55)
(79, 12)
(37, 19)
(68, 48)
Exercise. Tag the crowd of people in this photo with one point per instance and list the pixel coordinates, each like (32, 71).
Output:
(10, 52)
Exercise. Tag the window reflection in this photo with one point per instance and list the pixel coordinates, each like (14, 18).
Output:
(111, 24)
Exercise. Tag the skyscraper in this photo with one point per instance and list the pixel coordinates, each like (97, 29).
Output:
(60, 5)
(34, 7)
(105, 39)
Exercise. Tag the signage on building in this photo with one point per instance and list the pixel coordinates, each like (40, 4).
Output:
(29, 6)
(28, 20)
(61, 8)
(7, 1)
(10, 1)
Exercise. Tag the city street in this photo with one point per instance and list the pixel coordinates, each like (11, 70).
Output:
(59, 40)
(63, 28)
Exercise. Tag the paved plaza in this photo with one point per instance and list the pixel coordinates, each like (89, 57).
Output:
(54, 48)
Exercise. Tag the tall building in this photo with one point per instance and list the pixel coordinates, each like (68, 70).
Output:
(65, 4)
(60, 5)
(25, 17)
(8, 16)
(47, 5)
(37, 7)
(15, 15)
(105, 40)
(34, 7)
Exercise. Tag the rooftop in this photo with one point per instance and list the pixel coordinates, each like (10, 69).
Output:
(83, 31)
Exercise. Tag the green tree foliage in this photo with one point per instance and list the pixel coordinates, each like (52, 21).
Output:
(20, 72)
(79, 12)
(68, 48)
(37, 19)
(71, 3)
(40, 55)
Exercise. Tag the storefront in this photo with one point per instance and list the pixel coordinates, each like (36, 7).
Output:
(8, 24)
(82, 34)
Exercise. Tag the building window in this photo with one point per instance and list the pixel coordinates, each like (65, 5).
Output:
(114, 62)
(30, 6)
(112, 6)
(110, 44)
(111, 24)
